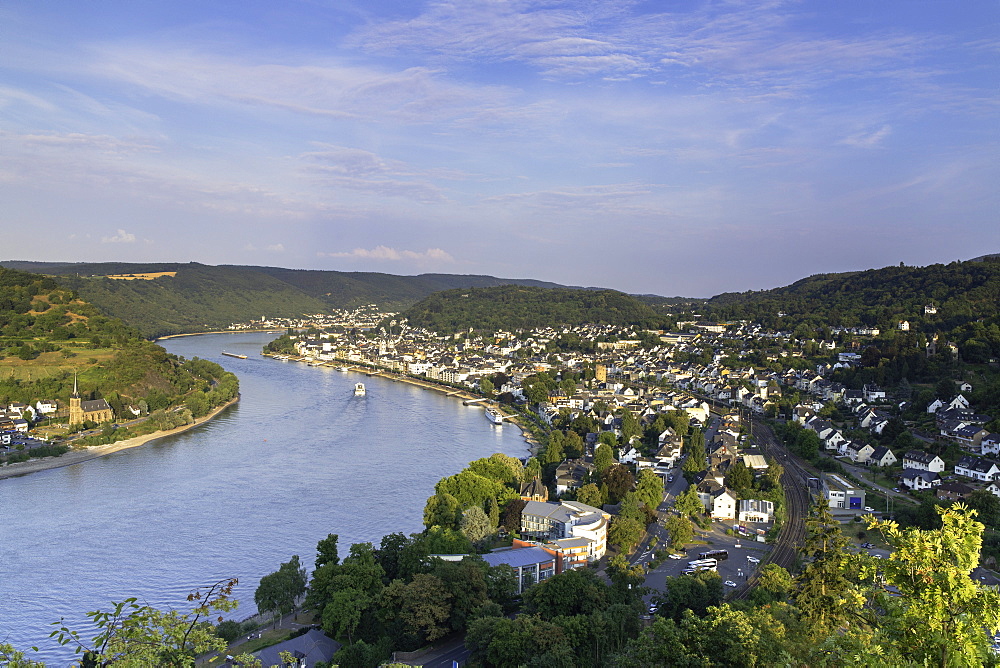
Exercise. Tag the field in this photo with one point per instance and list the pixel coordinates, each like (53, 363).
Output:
(52, 364)
(141, 277)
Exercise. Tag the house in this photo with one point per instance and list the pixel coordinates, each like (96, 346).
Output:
(756, 510)
(873, 393)
(923, 461)
(308, 649)
(916, 479)
(990, 444)
(571, 474)
(717, 500)
(970, 436)
(882, 456)
(839, 493)
(977, 468)
(534, 491)
(953, 491)
(532, 563)
(858, 452)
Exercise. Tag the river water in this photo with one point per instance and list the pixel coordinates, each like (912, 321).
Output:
(298, 458)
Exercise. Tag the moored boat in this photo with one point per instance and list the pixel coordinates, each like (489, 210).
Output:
(494, 416)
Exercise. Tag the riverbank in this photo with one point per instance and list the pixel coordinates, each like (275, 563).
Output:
(226, 331)
(533, 445)
(76, 456)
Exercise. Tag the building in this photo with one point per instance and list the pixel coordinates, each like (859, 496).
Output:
(96, 410)
(567, 519)
(923, 461)
(756, 510)
(532, 564)
(839, 493)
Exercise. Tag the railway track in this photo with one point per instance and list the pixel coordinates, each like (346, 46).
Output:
(793, 532)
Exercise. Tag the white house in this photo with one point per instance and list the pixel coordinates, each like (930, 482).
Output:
(916, 480)
(922, 461)
(977, 468)
(756, 510)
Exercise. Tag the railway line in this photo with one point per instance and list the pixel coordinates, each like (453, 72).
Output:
(793, 532)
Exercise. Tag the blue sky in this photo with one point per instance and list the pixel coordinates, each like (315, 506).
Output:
(664, 147)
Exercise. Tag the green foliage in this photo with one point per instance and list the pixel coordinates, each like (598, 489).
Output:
(512, 307)
(575, 592)
(277, 592)
(625, 532)
(696, 592)
(681, 530)
(139, 635)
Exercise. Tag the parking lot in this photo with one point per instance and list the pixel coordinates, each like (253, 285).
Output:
(734, 569)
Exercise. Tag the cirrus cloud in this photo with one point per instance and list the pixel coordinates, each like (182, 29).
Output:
(392, 254)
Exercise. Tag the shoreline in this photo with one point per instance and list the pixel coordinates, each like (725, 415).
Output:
(463, 395)
(77, 456)
(227, 331)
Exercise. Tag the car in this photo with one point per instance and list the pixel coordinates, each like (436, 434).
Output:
(753, 560)
(869, 509)
(895, 489)
(670, 478)
(653, 607)
(730, 583)
(675, 556)
(688, 571)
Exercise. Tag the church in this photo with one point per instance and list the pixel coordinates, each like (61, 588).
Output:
(97, 410)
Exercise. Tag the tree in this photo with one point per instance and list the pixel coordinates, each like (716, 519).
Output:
(649, 489)
(441, 510)
(140, 635)
(937, 595)
(575, 592)
(619, 481)
(486, 386)
(326, 550)
(590, 494)
(510, 519)
(773, 585)
(277, 592)
(422, 606)
(476, 524)
(681, 530)
(739, 478)
(695, 592)
(688, 504)
(824, 590)
(603, 457)
(625, 532)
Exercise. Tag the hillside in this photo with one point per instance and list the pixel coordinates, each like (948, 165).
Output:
(202, 297)
(51, 337)
(514, 307)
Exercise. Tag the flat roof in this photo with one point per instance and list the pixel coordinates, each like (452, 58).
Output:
(524, 556)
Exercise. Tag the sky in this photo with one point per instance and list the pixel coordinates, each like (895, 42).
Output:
(674, 147)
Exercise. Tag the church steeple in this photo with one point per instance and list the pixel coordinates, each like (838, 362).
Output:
(75, 406)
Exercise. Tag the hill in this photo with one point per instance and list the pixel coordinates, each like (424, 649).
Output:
(512, 307)
(199, 297)
(52, 338)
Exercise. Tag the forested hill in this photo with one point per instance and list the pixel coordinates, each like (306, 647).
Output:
(201, 297)
(51, 338)
(961, 292)
(514, 307)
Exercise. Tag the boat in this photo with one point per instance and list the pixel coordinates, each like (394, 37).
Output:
(494, 416)
(343, 369)
(241, 357)
(359, 390)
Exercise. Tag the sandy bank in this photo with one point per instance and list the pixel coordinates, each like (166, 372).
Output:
(83, 454)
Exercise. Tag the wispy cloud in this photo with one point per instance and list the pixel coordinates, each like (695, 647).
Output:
(387, 254)
(122, 237)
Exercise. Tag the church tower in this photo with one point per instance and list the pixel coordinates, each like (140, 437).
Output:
(75, 409)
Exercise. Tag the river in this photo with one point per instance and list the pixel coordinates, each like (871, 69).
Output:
(297, 458)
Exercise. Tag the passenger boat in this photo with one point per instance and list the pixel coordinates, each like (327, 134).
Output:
(359, 390)
(494, 416)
